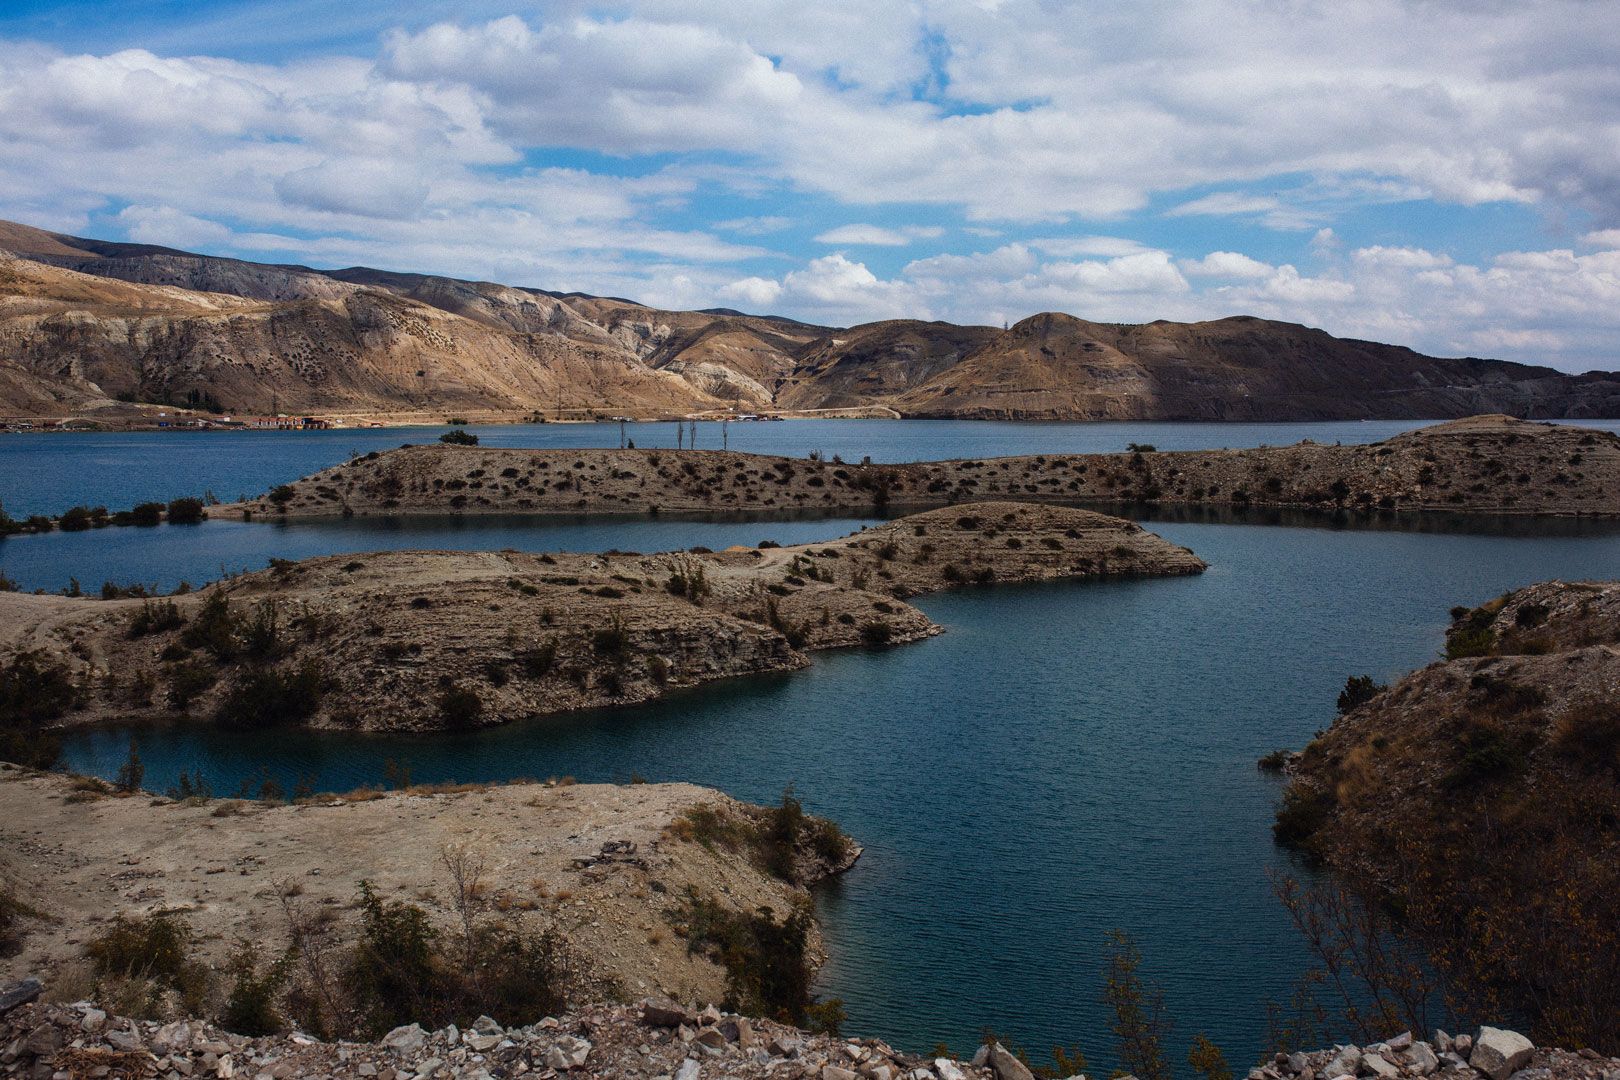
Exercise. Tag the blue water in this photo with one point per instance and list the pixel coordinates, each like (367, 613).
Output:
(46, 474)
(1065, 760)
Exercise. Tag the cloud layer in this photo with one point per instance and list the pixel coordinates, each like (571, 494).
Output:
(774, 155)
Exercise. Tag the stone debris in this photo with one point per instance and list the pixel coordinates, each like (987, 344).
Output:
(654, 1040)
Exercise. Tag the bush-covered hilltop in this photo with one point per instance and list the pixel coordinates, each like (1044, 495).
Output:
(1480, 797)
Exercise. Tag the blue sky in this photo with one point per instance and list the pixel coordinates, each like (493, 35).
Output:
(1439, 174)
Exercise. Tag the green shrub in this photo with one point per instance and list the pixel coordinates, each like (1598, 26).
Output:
(1358, 690)
(767, 968)
(153, 947)
(459, 438)
(186, 511)
(155, 617)
(611, 640)
(876, 633)
(281, 495)
(189, 680)
(460, 706)
(264, 697)
(1301, 816)
(34, 690)
(251, 1007)
(78, 519)
(146, 514)
(213, 628)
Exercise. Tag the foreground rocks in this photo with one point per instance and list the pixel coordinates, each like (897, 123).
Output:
(422, 640)
(1491, 1053)
(1484, 464)
(655, 1039)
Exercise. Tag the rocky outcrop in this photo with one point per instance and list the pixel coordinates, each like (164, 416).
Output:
(416, 640)
(91, 321)
(1480, 796)
(1492, 465)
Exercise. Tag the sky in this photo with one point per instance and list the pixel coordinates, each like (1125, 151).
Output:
(1443, 174)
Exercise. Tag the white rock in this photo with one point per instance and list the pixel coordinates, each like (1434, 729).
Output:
(406, 1039)
(1374, 1064)
(1403, 1041)
(1421, 1059)
(1006, 1065)
(687, 1071)
(1499, 1053)
(948, 1069)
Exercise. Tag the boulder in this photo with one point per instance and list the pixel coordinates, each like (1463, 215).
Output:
(948, 1069)
(1376, 1064)
(837, 1072)
(1420, 1058)
(19, 994)
(1462, 1045)
(655, 1013)
(1403, 1041)
(688, 1070)
(1006, 1065)
(1499, 1053)
(406, 1039)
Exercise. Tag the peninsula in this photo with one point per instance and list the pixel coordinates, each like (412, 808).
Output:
(1482, 464)
(420, 640)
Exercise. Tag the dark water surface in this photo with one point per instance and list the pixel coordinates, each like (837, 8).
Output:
(46, 474)
(1065, 760)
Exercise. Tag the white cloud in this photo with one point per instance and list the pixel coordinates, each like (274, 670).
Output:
(878, 235)
(1226, 264)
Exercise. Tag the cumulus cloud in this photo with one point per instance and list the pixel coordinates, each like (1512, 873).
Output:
(637, 148)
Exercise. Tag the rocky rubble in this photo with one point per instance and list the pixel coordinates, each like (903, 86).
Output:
(656, 1039)
(660, 1040)
(1492, 1053)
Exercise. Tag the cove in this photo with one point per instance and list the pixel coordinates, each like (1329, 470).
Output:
(1065, 760)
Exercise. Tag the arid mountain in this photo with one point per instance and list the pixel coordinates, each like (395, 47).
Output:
(90, 327)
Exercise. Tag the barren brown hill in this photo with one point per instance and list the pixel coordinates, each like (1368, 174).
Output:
(1481, 797)
(417, 640)
(1490, 464)
(361, 340)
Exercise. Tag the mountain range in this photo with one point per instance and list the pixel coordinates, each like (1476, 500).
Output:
(91, 328)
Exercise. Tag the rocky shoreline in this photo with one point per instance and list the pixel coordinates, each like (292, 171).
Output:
(660, 1040)
(1486, 464)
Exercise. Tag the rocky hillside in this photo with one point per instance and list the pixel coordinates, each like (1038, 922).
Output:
(1481, 795)
(411, 640)
(90, 328)
(1483, 464)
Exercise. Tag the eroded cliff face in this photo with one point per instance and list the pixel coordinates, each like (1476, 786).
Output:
(417, 640)
(1483, 464)
(98, 321)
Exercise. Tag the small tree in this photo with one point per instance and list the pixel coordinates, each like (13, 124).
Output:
(131, 772)
(459, 437)
(1358, 690)
(1139, 1023)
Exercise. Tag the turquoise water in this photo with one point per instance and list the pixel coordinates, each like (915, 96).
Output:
(46, 474)
(1065, 760)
